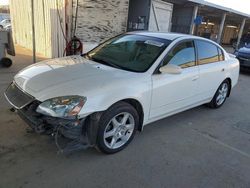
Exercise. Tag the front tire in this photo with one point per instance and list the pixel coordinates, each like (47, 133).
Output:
(117, 128)
(220, 95)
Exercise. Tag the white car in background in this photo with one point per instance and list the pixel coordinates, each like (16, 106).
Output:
(7, 27)
(5, 23)
(104, 96)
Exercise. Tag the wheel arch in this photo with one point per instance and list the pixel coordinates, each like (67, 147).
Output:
(138, 106)
(92, 120)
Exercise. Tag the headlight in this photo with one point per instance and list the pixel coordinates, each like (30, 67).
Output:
(67, 106)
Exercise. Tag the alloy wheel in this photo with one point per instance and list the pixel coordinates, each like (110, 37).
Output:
(222, 94)
(118, 131)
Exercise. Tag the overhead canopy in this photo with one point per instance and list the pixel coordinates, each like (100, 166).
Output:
(206, 3)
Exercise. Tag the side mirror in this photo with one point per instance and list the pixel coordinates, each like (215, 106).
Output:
(171, 69)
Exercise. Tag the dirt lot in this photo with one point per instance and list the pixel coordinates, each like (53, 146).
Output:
(197, 148)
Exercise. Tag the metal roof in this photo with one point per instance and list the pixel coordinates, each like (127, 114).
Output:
(206, 3)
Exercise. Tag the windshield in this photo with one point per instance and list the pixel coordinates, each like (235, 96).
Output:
(129, 52)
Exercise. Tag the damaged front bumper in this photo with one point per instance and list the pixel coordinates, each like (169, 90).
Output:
(69, 134)
(78, 133)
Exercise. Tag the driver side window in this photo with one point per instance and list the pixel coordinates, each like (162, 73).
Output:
(182, 55)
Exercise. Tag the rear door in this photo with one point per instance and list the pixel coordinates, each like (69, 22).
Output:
(173, 92)
(212, 68)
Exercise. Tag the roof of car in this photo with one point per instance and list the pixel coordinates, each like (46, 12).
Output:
(168, 36)
(172, 36)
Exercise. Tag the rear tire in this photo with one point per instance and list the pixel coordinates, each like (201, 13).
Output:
(117, 127)
(220, 95)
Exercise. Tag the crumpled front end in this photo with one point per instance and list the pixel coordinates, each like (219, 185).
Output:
(70, 134)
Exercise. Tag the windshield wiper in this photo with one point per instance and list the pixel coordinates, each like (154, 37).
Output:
(105, 62)
(86, 55)
(108, 63)
(100, 61)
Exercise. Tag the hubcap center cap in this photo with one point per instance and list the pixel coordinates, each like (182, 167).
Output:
(120, 131)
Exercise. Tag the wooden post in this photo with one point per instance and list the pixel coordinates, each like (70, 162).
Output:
(192, 26)
(33, 31)
(240, 32)
(221, 27)
(68, 18)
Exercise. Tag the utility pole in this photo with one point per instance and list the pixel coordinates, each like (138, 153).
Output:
(33, 31)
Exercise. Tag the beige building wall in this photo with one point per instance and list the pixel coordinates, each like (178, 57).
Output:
(100, 19)
(97, 20)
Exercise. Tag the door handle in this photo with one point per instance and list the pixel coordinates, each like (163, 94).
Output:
(222, 70)
(195, 78)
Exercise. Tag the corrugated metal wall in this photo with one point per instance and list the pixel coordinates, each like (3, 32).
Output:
(50, 41)
(100, 19)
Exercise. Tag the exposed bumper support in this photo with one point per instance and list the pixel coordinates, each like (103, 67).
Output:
(69, 134)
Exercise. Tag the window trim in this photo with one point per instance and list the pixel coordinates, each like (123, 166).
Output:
(222, 53)
(157, 69)
(216, 45)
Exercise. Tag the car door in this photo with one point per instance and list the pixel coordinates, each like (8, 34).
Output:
(173, 92)
(212, 68)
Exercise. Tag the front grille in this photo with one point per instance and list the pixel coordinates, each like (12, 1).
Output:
(17, 97)
(244, 55)
(244, 62)
(244, 59)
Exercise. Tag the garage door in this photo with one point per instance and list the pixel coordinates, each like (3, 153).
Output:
(160, 16)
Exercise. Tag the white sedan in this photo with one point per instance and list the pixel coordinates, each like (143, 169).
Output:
(103, 97)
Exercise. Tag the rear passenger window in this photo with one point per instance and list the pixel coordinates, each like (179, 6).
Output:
(207, 52)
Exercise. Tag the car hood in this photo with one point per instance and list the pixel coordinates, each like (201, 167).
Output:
(244, 50)
(66, 76)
